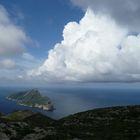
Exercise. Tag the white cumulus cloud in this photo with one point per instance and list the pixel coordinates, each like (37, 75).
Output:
(12, 37)
(14, 58)
(96, 49)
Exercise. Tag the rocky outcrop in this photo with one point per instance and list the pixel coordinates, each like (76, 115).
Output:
(48, 107)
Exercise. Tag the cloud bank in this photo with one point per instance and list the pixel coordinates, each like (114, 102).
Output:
(14, 58)
(94, 50)
(12, 37)
(7, 64)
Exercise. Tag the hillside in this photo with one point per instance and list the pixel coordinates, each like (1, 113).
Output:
(115, 123)
(32, 98)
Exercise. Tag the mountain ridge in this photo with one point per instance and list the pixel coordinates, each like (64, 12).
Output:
(110, 123)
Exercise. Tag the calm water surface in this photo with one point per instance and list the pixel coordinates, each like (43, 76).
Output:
(72, 100)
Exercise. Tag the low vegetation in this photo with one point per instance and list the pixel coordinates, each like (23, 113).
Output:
(114, 123)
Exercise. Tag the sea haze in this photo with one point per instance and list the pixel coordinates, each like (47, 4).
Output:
(75, 99)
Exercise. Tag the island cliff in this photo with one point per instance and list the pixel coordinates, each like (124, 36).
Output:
(32, 98)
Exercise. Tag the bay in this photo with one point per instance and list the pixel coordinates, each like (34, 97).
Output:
(72, 100)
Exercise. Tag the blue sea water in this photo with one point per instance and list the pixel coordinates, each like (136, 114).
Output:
(72, 100)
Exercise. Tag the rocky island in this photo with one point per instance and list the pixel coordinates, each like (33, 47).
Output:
(32, 98)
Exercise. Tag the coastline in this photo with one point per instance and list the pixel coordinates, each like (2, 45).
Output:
(41, 106)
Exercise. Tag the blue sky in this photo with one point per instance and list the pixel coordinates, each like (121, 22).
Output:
(43, 20)
(69, 41)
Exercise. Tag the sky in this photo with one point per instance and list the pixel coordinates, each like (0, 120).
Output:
(69, 41)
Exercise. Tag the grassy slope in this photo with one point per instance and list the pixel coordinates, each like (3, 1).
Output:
(31, 97)
(18, 115)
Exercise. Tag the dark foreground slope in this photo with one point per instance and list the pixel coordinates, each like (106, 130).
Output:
(115, 123)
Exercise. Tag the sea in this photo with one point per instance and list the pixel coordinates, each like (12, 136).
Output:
(71, 100)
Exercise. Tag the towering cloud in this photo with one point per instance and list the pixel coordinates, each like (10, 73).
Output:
(124, 12)
(95, 49)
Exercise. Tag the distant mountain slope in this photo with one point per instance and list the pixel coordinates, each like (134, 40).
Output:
(114, 123)
(32, 98)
